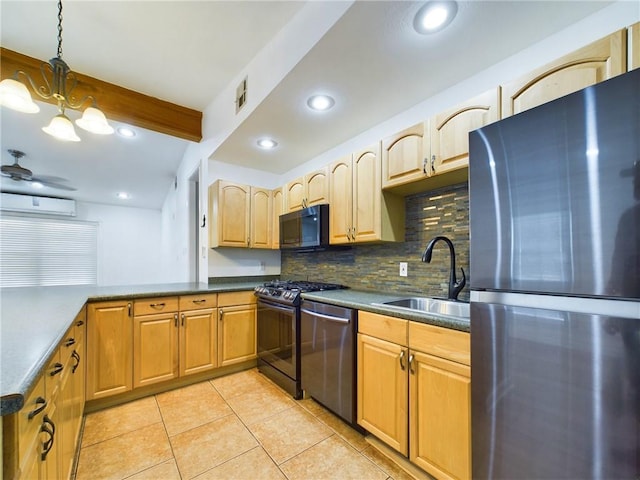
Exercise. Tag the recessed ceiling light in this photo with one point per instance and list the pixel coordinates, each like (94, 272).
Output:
(123, 195)
(434, 16)
(126, 132)
(320, 102)
(267, 143)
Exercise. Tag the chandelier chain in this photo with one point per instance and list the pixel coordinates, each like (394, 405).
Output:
(59, 28)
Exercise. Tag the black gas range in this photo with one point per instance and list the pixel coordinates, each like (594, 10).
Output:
(289, 291)
(279, 330)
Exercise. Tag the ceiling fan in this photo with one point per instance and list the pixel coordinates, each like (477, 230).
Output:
(20, 174)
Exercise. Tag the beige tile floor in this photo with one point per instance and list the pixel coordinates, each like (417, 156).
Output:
(240, 426)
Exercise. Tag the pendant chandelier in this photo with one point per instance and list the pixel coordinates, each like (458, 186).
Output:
(59, 82)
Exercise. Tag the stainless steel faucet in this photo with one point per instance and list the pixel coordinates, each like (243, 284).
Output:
(455, 287)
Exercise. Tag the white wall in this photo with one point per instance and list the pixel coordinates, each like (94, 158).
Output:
(129, 250)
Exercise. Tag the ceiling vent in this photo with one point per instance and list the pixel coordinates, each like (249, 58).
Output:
(13, 202)
(241, 95)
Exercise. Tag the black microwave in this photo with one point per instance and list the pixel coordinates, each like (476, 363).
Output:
(305, 229)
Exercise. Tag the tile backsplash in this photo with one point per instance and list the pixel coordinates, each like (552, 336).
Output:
(375, 267)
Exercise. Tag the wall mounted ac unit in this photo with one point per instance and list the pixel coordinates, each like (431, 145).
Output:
(13, 202)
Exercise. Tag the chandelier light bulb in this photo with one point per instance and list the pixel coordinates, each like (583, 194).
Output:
(94, 121)
(62, 129)
(14, 95)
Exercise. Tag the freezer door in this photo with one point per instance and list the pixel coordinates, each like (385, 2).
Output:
(555, 395)
(555, 196)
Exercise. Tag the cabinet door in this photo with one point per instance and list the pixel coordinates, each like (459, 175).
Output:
(449, 130)
(155, 348)
(383, 391)
(367, 187)
(317, 187)
(109, 348)
(260, 218)
(295, 195)
(341, 200)
(237, 341)
(65, 434)
(198, 341)
(440, 416)
(78, 369)
(634, 45)
(277, 210)
(230, 214)
(403, 156)
(594, 63)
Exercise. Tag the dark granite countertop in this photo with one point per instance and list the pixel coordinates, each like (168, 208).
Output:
(366, 300)
(33, 321)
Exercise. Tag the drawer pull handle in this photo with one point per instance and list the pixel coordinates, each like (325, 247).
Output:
(402, 365)
(129, 308)
(157, 305)
(79, 323)
(48, 444)
(183, 319)
(199, 301)
(43, 404)
(57, 368)
(70, 342)
(76, 356)
(175, 319)
(411, 370)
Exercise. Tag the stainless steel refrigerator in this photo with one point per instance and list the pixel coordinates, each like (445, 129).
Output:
(555, 288)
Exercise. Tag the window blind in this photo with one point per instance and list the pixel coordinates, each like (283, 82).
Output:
(37, 251)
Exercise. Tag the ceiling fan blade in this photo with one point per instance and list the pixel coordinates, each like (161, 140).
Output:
(45, 181)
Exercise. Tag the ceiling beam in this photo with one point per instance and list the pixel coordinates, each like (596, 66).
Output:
(117, 103)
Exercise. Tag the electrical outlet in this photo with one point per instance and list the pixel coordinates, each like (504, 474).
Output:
(403, 269)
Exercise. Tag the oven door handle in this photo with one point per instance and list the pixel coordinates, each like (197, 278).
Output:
(324, 316)
(276, 307)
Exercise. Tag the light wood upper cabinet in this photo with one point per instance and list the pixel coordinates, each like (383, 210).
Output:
(634, 44)
(240, 215)
(341, 201)
(229, 213)
(312, 189)
(587, 66)
(261, 218)
(278, 209)
(237, 327)
(360, 211)
(449, 130)
(403, 156)
(109, 348)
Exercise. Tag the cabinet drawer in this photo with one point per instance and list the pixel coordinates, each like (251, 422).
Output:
(28, 428)
(440, 342)
(148, 306)
(381, 326)
(236, 298)
(196, 302)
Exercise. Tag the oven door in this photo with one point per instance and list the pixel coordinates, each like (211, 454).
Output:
(277, 337)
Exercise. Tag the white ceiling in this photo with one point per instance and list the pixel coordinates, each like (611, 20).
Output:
(372, 62)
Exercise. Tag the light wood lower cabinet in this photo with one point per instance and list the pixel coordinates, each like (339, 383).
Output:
(237, 327)
(109, 348)
(173, 337)
(414, 392)
(40, 441)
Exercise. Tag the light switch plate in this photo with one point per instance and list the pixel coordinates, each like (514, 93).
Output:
(403, 269)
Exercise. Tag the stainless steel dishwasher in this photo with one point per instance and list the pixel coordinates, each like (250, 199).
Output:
(328, 357)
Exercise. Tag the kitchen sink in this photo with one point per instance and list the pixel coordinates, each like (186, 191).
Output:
(431, 305)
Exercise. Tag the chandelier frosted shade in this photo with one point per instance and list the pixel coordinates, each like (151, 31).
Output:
(94, 121)
(61, 128)
(15, 95)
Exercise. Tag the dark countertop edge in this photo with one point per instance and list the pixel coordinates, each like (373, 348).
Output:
(13, 402)
(364, 300)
